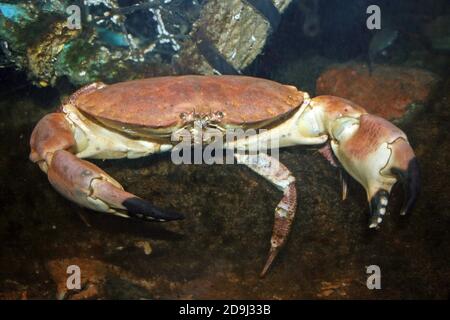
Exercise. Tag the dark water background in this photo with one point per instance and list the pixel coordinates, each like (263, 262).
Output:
(219, 249)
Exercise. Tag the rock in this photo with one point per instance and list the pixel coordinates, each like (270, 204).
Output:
(227, 35)
(145, 245)
(12, 290)
(118, 43)
(335, 289)
(392, 92)
(97, 279)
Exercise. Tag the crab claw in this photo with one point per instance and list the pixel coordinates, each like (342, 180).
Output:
(374, 152)
(81, 181)
(378, 155)
(86, 184)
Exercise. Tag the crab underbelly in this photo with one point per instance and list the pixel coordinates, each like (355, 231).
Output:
(95, 141)
(285, 134)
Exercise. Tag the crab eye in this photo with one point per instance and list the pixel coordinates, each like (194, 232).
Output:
(219, 114)
(183, 116)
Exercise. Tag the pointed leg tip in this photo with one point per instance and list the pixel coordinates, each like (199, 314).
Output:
(142, 209)
(263, 273)
(272, 255)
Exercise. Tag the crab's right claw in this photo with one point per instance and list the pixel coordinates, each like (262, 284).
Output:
(377, 154)
(88, 185)
(81, 181)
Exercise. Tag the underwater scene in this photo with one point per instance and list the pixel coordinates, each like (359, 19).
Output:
(224, 149)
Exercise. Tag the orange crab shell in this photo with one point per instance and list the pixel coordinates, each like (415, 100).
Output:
(161, 102)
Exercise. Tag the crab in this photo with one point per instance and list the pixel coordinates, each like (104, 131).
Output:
(138, 118)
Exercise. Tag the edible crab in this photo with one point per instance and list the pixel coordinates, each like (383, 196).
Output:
(137, 118)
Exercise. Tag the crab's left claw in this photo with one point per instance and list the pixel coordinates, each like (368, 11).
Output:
(377, 154)
(374, 152)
